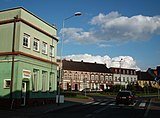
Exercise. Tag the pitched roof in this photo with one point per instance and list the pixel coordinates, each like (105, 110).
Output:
(84, 66)
(145, 76)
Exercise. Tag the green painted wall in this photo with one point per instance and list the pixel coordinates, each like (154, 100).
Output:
(27, 64)
(23, 62)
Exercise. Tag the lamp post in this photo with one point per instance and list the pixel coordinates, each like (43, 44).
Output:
(120, 67)
(120, 72)
(61, 53)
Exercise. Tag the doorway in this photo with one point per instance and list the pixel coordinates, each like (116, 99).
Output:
(24, 93)
(76, 87)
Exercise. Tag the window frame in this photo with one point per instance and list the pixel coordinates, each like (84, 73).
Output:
(51, 82)
(52, 51)
(26, 41)
(44, 81)
(35, 80)
(5, 84)
(44, 48)
(38, 42)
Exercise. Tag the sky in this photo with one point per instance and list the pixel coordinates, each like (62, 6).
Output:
(118, 33)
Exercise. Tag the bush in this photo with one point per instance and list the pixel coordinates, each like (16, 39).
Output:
(70, 94)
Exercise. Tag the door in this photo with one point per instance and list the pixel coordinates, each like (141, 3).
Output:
(76, 87)
(24, 93)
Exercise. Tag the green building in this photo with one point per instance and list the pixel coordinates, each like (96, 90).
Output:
(28, 68)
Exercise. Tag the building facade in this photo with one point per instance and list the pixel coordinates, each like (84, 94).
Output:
(150, 78)
(81, 75)
(124, 76)
(28, 68)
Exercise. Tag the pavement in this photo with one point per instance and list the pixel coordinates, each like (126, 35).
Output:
(34, 110)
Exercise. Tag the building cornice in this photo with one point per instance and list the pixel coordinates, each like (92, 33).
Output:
(27, 55)
(29, 24)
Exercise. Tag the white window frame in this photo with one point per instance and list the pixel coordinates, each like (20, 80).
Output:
(52, 54)
(51, 82)
(92, 77)
(106, 77)
(36, 44)
(26, 40)
(44, 47)
(44, 81)
(96, 77)
(5, 83)
(35, 80)
(102, 78)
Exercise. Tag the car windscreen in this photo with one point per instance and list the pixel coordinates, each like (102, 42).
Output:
(123, 94)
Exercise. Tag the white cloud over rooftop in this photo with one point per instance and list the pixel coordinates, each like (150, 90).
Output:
(127, 61)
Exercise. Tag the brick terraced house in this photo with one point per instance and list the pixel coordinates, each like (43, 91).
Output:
(81, 75)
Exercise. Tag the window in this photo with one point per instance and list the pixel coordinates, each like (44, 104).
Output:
(44, 47)
(92, 77)
(51, 82)
(115, 70)
(44, 80)
(123, 79)
(101, 77)
(116, 79)
(110, 78)
(7, 83)
(124, 72)
(96, 77)
(26, 41)
(35, 80)
(106, 78)
(52, 51)
(76, 77)
(65, 76)
(36, 44)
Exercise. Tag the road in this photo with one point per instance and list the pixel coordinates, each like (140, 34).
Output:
(104, 107)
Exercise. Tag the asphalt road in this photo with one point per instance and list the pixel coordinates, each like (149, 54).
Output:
(101, 107)
(104, 107)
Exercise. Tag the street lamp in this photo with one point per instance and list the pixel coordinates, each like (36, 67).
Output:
(120, 62)
(120, 72)
(62, 41)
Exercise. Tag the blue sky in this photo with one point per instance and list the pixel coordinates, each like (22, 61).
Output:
(107, 30)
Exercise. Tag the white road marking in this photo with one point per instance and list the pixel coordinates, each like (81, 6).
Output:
(143, 104)
(146, 112)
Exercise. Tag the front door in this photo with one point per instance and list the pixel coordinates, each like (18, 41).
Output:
(24, 93)
(76, 87)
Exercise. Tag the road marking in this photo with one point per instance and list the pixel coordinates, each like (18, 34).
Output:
(88, 102)
(143, 104)
(88, 115)
(112, 104)
(100, 110)
(103, 104)
(147, 111)
(95, 103)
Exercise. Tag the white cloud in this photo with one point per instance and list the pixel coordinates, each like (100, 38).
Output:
(114, 27)
(127, 61)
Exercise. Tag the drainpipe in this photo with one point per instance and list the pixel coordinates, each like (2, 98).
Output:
(12, 69)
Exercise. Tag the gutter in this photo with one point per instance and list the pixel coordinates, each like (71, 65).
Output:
(12, 68)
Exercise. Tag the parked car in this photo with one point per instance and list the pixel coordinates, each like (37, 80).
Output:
(125, 97)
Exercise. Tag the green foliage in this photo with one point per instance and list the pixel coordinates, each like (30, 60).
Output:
(69, 94)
